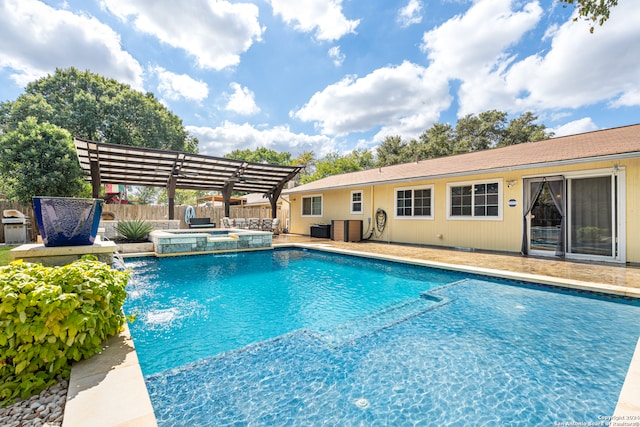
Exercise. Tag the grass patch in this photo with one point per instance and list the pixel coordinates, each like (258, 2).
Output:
(4, 254)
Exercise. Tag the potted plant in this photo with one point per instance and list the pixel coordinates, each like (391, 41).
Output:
(135, 230)
(133, 236)
(67, 221)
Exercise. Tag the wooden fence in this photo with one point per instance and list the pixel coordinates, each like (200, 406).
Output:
(149, 212)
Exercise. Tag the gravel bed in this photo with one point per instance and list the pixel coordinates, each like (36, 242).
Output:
(43, 410)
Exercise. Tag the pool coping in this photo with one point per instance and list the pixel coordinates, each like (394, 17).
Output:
(108, 389)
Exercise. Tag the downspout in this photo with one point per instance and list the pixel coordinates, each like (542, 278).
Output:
(372, 217)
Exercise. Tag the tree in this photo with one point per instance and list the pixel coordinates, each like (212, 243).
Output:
(40, 160)
(438, 140)
(145, 195)
(392, 151)
(523, 129)
(182, 197)
(93, 107)
(489, 129)
(334, 164)
(593, 10)
(476, 133)
(261, 155)
(306, 159)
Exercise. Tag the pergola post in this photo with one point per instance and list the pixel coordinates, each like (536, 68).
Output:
(226, 198)
(95, 179)
(171, 194)
(273, 199)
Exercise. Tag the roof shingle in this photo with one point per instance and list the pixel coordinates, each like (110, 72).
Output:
(577, 148)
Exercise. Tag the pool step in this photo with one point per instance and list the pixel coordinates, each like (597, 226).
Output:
(350, 331)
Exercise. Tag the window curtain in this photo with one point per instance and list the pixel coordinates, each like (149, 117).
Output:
(556, 188)
(535, 189)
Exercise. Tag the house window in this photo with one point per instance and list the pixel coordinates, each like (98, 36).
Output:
(356, 202)
(414, 202)
(312, 206)
(477, 200)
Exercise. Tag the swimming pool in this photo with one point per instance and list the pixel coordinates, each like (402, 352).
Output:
(470, 351)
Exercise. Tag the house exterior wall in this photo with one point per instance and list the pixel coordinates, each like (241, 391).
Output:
(632, 169)
(503, 234)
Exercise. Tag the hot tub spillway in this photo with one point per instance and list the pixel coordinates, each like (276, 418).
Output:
(180, 242)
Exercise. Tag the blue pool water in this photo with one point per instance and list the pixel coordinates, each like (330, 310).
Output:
(305, 338)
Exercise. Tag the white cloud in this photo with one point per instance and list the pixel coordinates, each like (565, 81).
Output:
(337, 56)
(575, 127)
(214, 32)
(322, 16)
(230, 136)
(629, 98)
(477, 40)
(242, 100)
(582, 68)
(404, 99)
(410, 14)
(176, 86)
(35, 39)
(579, 69)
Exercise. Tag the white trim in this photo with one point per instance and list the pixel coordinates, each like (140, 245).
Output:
(429, 187)
(361, 211)
(471, 217)
(311, 196)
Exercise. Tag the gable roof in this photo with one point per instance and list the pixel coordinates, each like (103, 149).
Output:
(586, 147)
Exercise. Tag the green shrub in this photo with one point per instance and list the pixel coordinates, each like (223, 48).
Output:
(134, 230)
(50, 316)
(4, 254)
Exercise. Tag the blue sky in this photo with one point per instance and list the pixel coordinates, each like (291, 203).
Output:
(334, 75)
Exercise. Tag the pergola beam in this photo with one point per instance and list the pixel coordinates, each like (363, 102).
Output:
(121, 164)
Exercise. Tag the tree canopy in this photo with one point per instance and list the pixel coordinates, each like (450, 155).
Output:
(39, 159)
(93, 107)
(334, 164)
(489, 129)
(596, 11)
(261, 155)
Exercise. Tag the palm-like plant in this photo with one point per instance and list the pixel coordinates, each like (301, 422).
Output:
(134, 230)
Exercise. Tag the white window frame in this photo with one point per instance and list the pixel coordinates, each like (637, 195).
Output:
(311, 196)
(472, 217)
(352, 202)
(412, 216)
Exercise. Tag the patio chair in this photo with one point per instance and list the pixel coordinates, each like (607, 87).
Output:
(267, 224)
(241, 223)
(226, 222)
(254, 223)
(275, 228)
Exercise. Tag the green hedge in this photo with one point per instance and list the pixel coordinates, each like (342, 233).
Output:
(50, 316)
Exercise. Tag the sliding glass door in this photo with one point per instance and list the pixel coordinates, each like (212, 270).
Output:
(592, 228)
(577, 216)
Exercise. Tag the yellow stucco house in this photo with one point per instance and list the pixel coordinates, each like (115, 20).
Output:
(576, 196)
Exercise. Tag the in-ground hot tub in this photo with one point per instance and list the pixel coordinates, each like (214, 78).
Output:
(181, 242)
